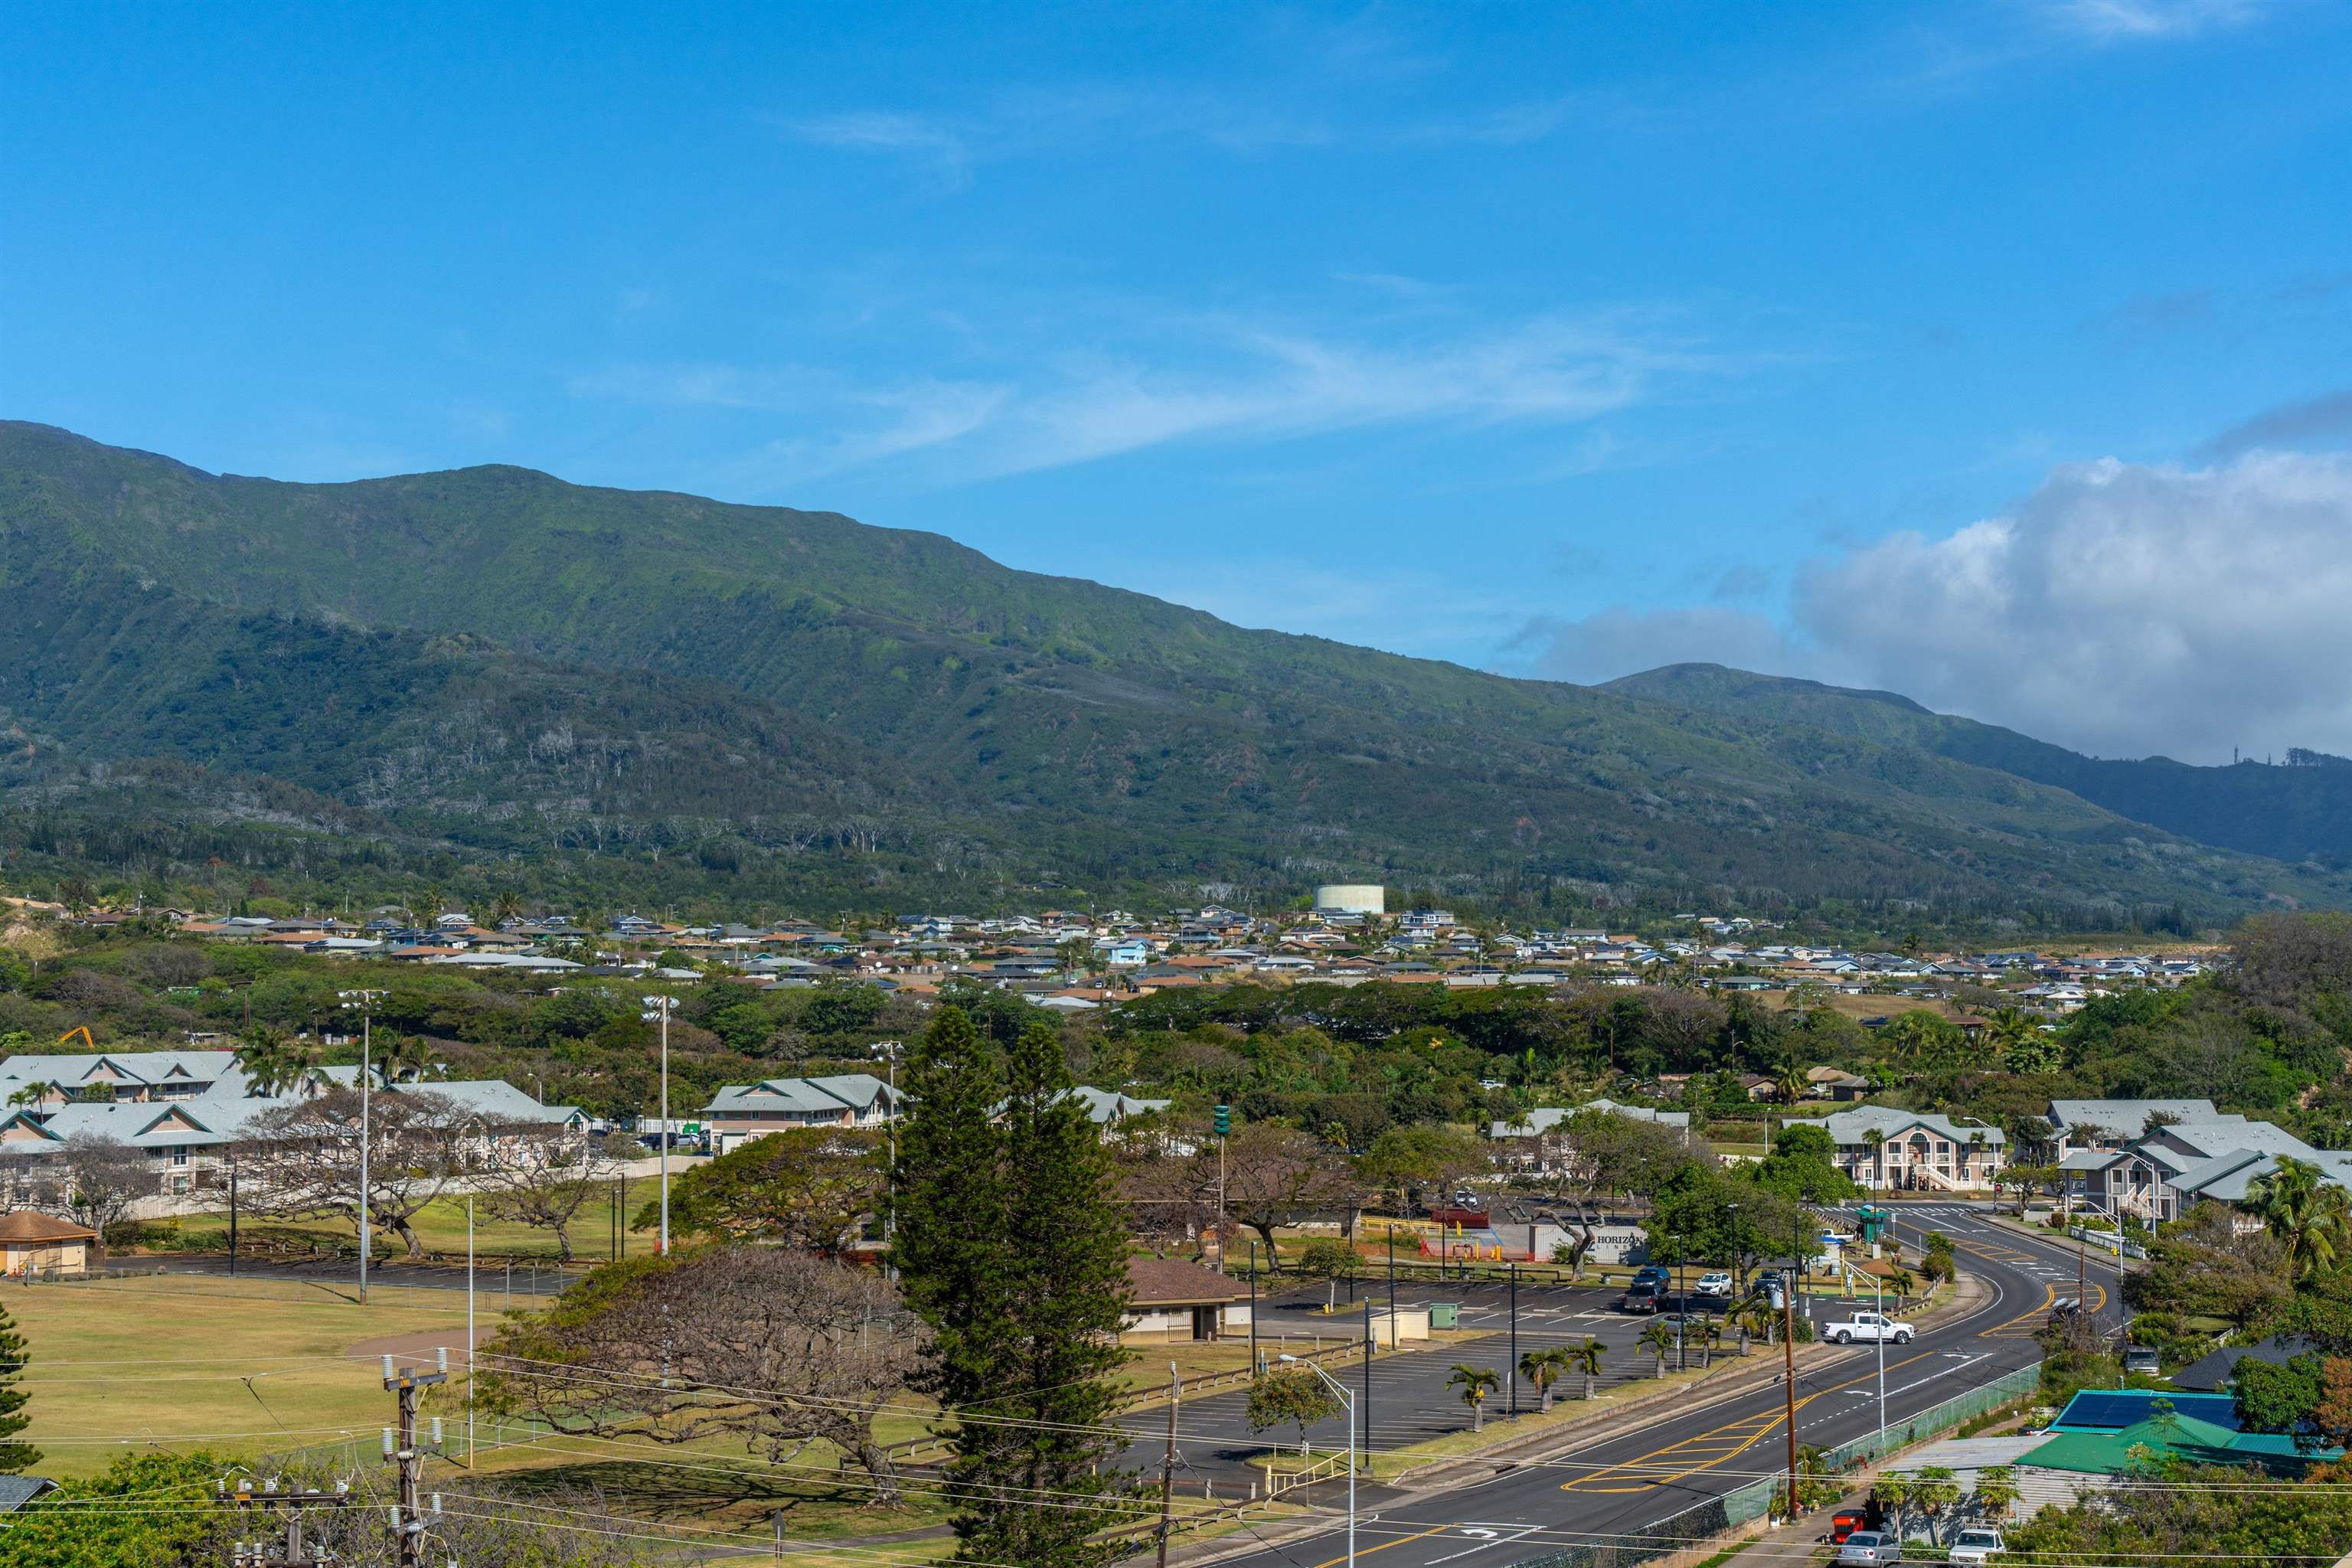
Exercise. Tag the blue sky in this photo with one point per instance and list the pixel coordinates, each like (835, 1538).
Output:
(2001, 353)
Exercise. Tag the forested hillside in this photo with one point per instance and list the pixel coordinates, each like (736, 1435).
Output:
(660, 695)
(2291, 813)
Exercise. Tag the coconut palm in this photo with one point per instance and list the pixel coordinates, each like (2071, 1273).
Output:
(406, 1059)
(1659, 1341)
(2308, 1215)
(1755, 1316)
(1790, 1083)
(1707, 1333)
(1475, 1383)
(1543, 1368)
(1584, 1358)
(1900, 1284)
(275, 1062)
(1876, 1141)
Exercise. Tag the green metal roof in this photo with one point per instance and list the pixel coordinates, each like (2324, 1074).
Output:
(2181, 1437)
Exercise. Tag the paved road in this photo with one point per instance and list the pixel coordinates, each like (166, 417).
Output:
(1409, 1398)
(1631, 1483)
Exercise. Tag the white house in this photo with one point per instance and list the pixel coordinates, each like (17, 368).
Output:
(740, 1112)
(1883, 1148)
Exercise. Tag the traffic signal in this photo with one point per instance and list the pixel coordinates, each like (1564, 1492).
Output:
(1225, 1120)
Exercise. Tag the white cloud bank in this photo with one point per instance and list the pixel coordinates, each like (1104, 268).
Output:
(2122, 609)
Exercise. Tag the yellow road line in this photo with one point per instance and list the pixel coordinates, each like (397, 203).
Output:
(1383, 1546)
(1707, 1449)
(2026, 1324)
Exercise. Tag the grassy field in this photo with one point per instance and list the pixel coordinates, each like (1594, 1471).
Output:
(440, 1227)
(248, 1366)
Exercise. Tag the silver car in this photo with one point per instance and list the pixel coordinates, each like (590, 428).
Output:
(1870, 1548)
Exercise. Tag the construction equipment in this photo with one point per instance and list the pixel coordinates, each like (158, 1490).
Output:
(83, 1030)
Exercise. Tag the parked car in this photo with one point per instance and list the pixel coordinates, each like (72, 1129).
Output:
(1654, 1274)
(1716, 1283)
(1976, 1546)
(2143, 1359)
(1641, 1296)
(1870, 1548)
(1867, 1326)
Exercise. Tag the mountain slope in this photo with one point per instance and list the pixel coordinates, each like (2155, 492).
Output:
(399, 644)
(2285, 813)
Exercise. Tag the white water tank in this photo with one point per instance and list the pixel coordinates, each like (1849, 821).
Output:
(1352, 898)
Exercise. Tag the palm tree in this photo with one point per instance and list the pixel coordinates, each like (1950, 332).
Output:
(2308, 1215)
(1543, 1368)
(275, 1062)
(1790, 1083)
(407, 1059)
(506, 907)
(1997, 1490)
(1901, 1283)
(1751, 1315)
(1584, 1358)
(1709, 1334)
(1475, 1383)
(1659, 1341)
(1876, 1141)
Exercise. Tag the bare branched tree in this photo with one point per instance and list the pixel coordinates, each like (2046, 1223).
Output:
(302, 1161)
(539, 1175)
(777, 1348)
(104, 1177)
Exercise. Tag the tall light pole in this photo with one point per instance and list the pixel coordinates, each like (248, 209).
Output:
(890, 1050)
(363, 1003)
(1348, 1400)
(660, 1008)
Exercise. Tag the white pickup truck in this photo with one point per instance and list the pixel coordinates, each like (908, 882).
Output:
(1868, 1326)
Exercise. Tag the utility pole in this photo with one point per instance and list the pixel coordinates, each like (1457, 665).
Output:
(400, 1445)
(1789, 1367)
(232, 1214)
(253, 1553)
(1168, 1466)
(1511, 1370)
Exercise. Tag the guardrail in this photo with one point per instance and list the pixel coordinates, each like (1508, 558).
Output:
(1696, 1525)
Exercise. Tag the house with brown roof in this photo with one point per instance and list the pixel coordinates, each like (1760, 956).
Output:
(1170, 1300)
(44, 1244)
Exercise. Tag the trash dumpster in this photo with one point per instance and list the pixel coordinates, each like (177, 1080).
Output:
(1446, 1314)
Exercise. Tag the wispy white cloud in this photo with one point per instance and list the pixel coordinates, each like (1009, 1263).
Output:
(1193, 379)
(2130, 21)
(929, 144)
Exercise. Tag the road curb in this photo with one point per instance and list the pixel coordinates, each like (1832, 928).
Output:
(1444, 1474)
(1966, 1295)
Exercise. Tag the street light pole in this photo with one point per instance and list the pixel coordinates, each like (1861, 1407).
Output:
(364, 1003)
(1348, 1399)
(661, 1007)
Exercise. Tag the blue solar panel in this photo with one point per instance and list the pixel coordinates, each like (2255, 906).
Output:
(2112, 1409)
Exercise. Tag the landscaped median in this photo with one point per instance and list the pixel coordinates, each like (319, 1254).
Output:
(1441, 1462)
(1427, 1464)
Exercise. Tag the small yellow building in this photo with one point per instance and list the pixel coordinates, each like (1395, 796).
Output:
(43, 1243)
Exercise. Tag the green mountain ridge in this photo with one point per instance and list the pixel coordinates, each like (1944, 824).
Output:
(2284, 813)
(752, 690)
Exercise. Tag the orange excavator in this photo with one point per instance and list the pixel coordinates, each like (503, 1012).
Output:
(81, 1029)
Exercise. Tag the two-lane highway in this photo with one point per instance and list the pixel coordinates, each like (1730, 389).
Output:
(1631, 1483)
